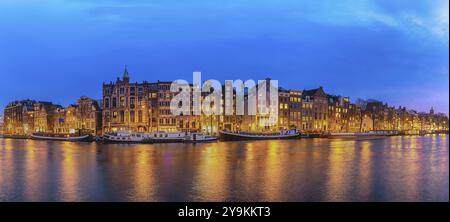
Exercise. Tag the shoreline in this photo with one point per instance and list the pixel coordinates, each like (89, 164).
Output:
(18, 137)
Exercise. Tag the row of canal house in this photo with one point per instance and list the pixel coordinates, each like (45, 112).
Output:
(145, 107)
(25, 117)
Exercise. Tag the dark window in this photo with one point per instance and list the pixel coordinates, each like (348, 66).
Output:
(132, 119)
(132, 102)
(114, 102)
(122, 116)
(140, 116)
(106, 102)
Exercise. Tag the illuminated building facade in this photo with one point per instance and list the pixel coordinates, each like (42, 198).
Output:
(338, 113)
(145, 107)
(315, 110)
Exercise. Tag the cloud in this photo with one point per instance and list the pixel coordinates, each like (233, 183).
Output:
(418, 17)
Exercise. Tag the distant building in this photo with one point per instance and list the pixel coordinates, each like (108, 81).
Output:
(338, 113)
(16, 118)
(126, 105)
(145, 107)
(1, 125)
(89, 116)
(81, 118)
(43, 117)
(28, 116)
(315, 110)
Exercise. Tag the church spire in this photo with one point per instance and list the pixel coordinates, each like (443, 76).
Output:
(126, 76)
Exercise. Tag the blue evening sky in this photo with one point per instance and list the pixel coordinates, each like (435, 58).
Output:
(394, 51)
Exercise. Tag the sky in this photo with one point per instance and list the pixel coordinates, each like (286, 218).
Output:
(393, 51)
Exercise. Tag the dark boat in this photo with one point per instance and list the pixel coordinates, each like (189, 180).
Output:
(60, 137)
(311, 135)
(290, 134)
(10, 136)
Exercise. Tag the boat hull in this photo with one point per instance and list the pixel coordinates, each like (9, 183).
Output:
(357, 136)
(107, 140)
(55, 138)
(208, 140)
(158, 140)
(311, 135)
(236, 137)
(15, 137)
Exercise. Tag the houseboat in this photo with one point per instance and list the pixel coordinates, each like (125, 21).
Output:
(288, 134)
(199, 138)
(10, 136)
(60, 137)
(311, 135)
(165, 137)
(125, 137)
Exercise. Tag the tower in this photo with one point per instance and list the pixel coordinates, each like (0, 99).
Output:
(126, 77)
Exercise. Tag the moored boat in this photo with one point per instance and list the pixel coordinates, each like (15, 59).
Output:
(59, 137)
(289, 134)
(125, 137)
(10, 136)
(311, 135)
(199, 138)
(165, 137)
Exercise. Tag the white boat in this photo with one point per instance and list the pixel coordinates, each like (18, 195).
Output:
(289, 134)
(199, 138)
(59, 137)
(165, 137)
(125, 137)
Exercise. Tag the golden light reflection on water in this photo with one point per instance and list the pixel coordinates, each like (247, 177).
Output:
(211, 181)
(249, 169)
(273, 172)
(69, 174)
(34, 163)
(340, 152)
(392, 169)
(6, 168)
(143, 176)
(411, 170)
(365, 170)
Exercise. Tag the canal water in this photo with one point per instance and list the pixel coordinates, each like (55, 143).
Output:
(409, 168)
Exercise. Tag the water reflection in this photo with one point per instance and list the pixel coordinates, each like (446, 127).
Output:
(410, 168)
